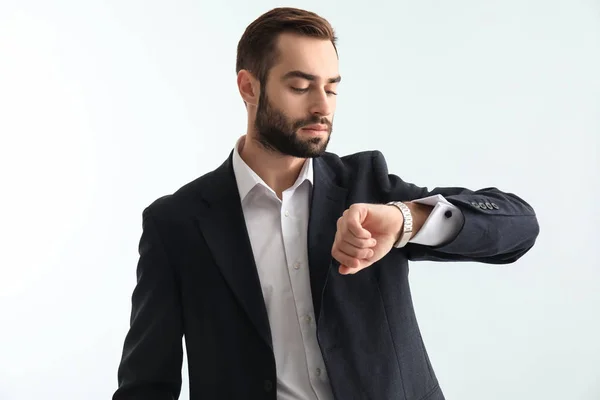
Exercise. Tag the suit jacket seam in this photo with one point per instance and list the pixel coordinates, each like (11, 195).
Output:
(432, 391)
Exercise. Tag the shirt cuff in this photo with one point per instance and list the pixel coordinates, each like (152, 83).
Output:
(442, 225)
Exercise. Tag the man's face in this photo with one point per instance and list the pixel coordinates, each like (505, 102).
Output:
(295, 110)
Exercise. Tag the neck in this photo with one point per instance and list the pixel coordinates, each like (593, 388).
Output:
(277, 170)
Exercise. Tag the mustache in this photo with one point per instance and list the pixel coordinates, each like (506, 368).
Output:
(312, 120)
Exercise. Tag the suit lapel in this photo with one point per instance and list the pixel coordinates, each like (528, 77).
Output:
(327, 205)
(224, 229)
(222, 224)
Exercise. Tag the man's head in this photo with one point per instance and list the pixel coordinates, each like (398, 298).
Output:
(287, 67)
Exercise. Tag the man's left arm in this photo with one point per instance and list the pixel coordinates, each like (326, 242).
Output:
(458, 224)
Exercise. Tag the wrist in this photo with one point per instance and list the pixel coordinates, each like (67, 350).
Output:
(404, 224)
(399, 223)
(420, 213)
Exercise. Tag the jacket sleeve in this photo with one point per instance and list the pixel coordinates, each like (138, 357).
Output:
(150, 367)
(498, 228)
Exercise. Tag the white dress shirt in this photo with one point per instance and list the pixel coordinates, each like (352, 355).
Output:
(278, 235)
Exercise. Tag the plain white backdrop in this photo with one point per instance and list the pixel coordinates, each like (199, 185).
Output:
(107, 105)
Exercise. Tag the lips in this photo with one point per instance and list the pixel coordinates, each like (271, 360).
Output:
(316, 128)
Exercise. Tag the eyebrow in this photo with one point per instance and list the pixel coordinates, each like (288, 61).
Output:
(308, 77)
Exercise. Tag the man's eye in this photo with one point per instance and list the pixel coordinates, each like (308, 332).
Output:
(304, 90)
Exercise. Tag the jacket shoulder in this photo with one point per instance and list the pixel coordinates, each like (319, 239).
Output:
(178, 203)
(352, 162)
(355, 167)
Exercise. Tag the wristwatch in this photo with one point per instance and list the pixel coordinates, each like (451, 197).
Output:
(407, 230)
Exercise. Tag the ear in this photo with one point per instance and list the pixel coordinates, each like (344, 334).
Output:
(249, 87)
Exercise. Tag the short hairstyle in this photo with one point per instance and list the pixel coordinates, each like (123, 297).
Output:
(256, 51)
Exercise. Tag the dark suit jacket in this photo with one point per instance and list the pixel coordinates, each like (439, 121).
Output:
(196, 277)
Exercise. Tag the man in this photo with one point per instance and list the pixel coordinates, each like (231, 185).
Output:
(286, 268)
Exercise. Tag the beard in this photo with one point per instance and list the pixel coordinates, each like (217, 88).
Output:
(277, 132)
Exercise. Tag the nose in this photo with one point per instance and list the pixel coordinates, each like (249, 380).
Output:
(322, 104)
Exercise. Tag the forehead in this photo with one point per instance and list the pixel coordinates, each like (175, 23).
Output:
(310, 55)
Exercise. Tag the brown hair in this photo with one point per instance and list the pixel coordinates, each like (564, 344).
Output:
(256, 51)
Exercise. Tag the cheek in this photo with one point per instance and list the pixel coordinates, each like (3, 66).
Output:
(294, 107)
(282, 100)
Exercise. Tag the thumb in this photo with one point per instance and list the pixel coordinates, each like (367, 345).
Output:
(357, 213)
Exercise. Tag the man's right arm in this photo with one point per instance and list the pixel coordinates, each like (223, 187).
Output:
(150, 367)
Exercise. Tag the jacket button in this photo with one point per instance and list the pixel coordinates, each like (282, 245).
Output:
(495, 206)
(268, 386)
(475, 204)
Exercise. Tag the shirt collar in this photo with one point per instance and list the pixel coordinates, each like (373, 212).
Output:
(247, 179)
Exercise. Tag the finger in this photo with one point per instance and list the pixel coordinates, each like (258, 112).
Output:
(358, 242)
(355, 252)
(342, 229)
(344, 259)
(348, 264)
(353, 222)
(344, 270)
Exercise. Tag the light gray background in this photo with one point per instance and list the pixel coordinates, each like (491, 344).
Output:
(106, 105)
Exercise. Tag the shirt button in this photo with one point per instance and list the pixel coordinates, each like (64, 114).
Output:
(308, 319)
(318, 371)
(297, 265)
(287, 213)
